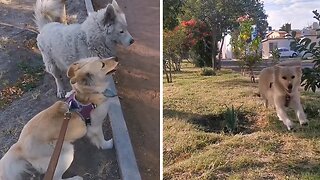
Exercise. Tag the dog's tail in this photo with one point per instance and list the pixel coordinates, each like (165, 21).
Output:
(46, 11)
(12, 165)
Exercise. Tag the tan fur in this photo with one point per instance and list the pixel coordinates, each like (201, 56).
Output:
(38, 137)
(277, 82)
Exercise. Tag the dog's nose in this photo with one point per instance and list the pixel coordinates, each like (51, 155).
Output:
(131, 41)
(116, 59)
(290, 86)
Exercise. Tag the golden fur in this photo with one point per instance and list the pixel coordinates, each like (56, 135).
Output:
(38, 137)
(281, 82)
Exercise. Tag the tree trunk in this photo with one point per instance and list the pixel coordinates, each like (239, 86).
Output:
(253, 80)
(170, 71)
(220, 54)
(214, 45)
(166, 72)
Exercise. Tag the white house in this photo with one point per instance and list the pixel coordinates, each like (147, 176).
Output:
(277, 39)
(273, 40)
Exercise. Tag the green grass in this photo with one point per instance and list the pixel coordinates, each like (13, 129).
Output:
(267, 151)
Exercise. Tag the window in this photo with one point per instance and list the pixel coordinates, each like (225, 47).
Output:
(273, 45)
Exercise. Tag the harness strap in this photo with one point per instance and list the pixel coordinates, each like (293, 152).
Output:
(57, 149)
(82, 110)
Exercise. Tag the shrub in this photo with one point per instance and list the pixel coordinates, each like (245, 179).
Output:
(206, 71)
(231, 119)
(311, 76)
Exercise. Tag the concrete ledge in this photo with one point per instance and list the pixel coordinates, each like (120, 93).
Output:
(125, 155)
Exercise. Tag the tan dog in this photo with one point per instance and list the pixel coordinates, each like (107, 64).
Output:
(280, 86)
(38, 137)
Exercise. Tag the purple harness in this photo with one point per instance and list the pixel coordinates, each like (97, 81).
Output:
(82, 110)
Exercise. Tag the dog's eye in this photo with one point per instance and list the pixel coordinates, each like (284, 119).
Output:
(283, 77)
(292, 77)
(103, 64)
(121, 32)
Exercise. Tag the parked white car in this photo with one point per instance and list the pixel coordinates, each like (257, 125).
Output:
(285, 52)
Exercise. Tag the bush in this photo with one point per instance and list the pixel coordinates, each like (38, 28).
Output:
(231, 119)
(311, 76)
(201, 53)
(275, 55)
(208, 72)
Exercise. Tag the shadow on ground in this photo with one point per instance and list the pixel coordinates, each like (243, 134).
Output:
(215, 123)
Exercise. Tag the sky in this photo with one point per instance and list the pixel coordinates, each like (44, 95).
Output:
(297, 12)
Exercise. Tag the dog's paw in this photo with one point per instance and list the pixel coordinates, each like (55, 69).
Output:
(290, 128)
(289, 125)
(68, 94)
(107, 144)
(304, 123)
(61, 93)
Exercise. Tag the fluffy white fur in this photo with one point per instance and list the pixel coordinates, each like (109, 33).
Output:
(61, 44)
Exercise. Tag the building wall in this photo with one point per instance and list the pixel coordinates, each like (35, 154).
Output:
(277, 43)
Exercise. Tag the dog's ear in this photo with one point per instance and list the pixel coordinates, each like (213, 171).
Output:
(72, 69)
(116, 6)
(110, 64)
(110, 16)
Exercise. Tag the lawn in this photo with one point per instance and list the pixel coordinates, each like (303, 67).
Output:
(197, 146)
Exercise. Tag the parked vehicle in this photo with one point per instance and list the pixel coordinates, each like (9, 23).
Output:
(305, 55)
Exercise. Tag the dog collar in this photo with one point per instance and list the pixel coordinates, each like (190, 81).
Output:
(109, 93)
(287, 100)
(82, 110)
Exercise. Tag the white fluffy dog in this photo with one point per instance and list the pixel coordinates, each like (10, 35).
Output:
(62, 44)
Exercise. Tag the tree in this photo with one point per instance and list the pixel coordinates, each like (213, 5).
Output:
(275, 56)
(221, 15)
(286, 27)
(247, 46)
(174, 44)
(310, 76)
(171, 10)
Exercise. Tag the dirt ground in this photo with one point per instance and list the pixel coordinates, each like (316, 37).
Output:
(138, 85)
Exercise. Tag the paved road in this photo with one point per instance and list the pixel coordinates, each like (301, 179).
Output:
(233, 64)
